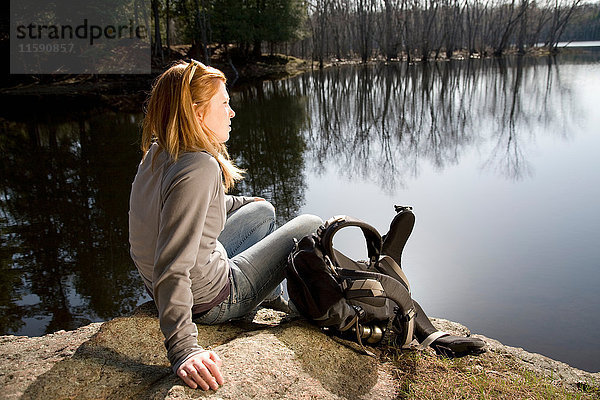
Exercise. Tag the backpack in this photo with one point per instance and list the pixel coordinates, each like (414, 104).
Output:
(361, 299)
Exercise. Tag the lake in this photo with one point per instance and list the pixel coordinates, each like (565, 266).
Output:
(498, 158)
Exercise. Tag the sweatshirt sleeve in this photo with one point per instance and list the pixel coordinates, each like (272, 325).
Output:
(232, 203)
(187, 195)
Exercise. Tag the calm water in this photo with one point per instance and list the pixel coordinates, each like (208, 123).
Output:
(498, 158)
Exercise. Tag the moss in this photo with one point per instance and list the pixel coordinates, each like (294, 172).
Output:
(340, 369)
(423, 375)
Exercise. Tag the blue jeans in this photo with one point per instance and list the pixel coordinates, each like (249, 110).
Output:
(257, 255)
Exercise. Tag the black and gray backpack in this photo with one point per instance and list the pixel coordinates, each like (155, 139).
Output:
(361, 299)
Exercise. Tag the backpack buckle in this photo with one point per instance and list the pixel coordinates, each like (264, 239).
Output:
(360, 312)
(408, 316)
(330, 265)
(330, 222)
(373, 262)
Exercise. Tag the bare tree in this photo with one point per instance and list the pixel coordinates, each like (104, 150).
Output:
(511, 17)
(364, 26)
(524, 8)
(562, 12)
(390, 40)
(452, 32)
(427, 17)
(319, 25)
(427, 29)
(539, 17)
(474, 25)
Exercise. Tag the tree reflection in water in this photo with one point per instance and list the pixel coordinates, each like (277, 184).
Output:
(379, 122)
(266, 141)
(66, 175)
(64, 198)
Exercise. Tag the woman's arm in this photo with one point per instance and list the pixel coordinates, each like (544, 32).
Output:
(232, 203)
(187, 194)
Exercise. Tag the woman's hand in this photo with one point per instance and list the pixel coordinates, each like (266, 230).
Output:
(202, 369)
(259, 199)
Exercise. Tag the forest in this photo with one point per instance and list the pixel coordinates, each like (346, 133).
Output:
(324, 30)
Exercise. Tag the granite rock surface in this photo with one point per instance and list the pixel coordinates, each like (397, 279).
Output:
(265, 356)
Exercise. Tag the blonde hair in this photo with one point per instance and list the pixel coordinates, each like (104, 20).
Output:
(171, 121)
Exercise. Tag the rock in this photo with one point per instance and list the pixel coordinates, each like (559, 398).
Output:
(125, 359)
(23, 359)
(264, 357)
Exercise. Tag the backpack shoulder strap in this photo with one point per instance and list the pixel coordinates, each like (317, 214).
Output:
(388, 266)
(332, 225)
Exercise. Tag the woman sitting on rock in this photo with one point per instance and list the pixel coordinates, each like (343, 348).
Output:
(204, 256)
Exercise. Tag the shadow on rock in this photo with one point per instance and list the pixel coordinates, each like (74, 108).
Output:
(262, 358)
(341, 370)
(122, 359)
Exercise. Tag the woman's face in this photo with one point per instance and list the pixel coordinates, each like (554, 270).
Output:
(218, 114)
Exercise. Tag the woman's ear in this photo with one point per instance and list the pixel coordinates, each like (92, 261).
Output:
(198, 114)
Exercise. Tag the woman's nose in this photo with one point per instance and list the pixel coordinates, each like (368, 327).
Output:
(231, 113)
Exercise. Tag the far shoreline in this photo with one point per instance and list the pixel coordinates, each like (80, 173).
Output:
(125, 92)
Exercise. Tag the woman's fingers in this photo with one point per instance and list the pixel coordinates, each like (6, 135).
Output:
(187, 379)
(207, 381)
(197, 377)
(202, 370)
(213, 368)
(215, 357)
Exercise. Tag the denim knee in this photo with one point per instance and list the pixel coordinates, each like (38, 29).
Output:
(265, 209)
(310, 223)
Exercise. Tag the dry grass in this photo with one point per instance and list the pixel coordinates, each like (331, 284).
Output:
(424, 375)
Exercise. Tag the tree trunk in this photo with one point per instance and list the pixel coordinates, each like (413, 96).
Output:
(388, 39)
(512, 20)
(157, 47)
(168, 19)
(205, 28)
(256, 48)
(560, 22)
(523, 27)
